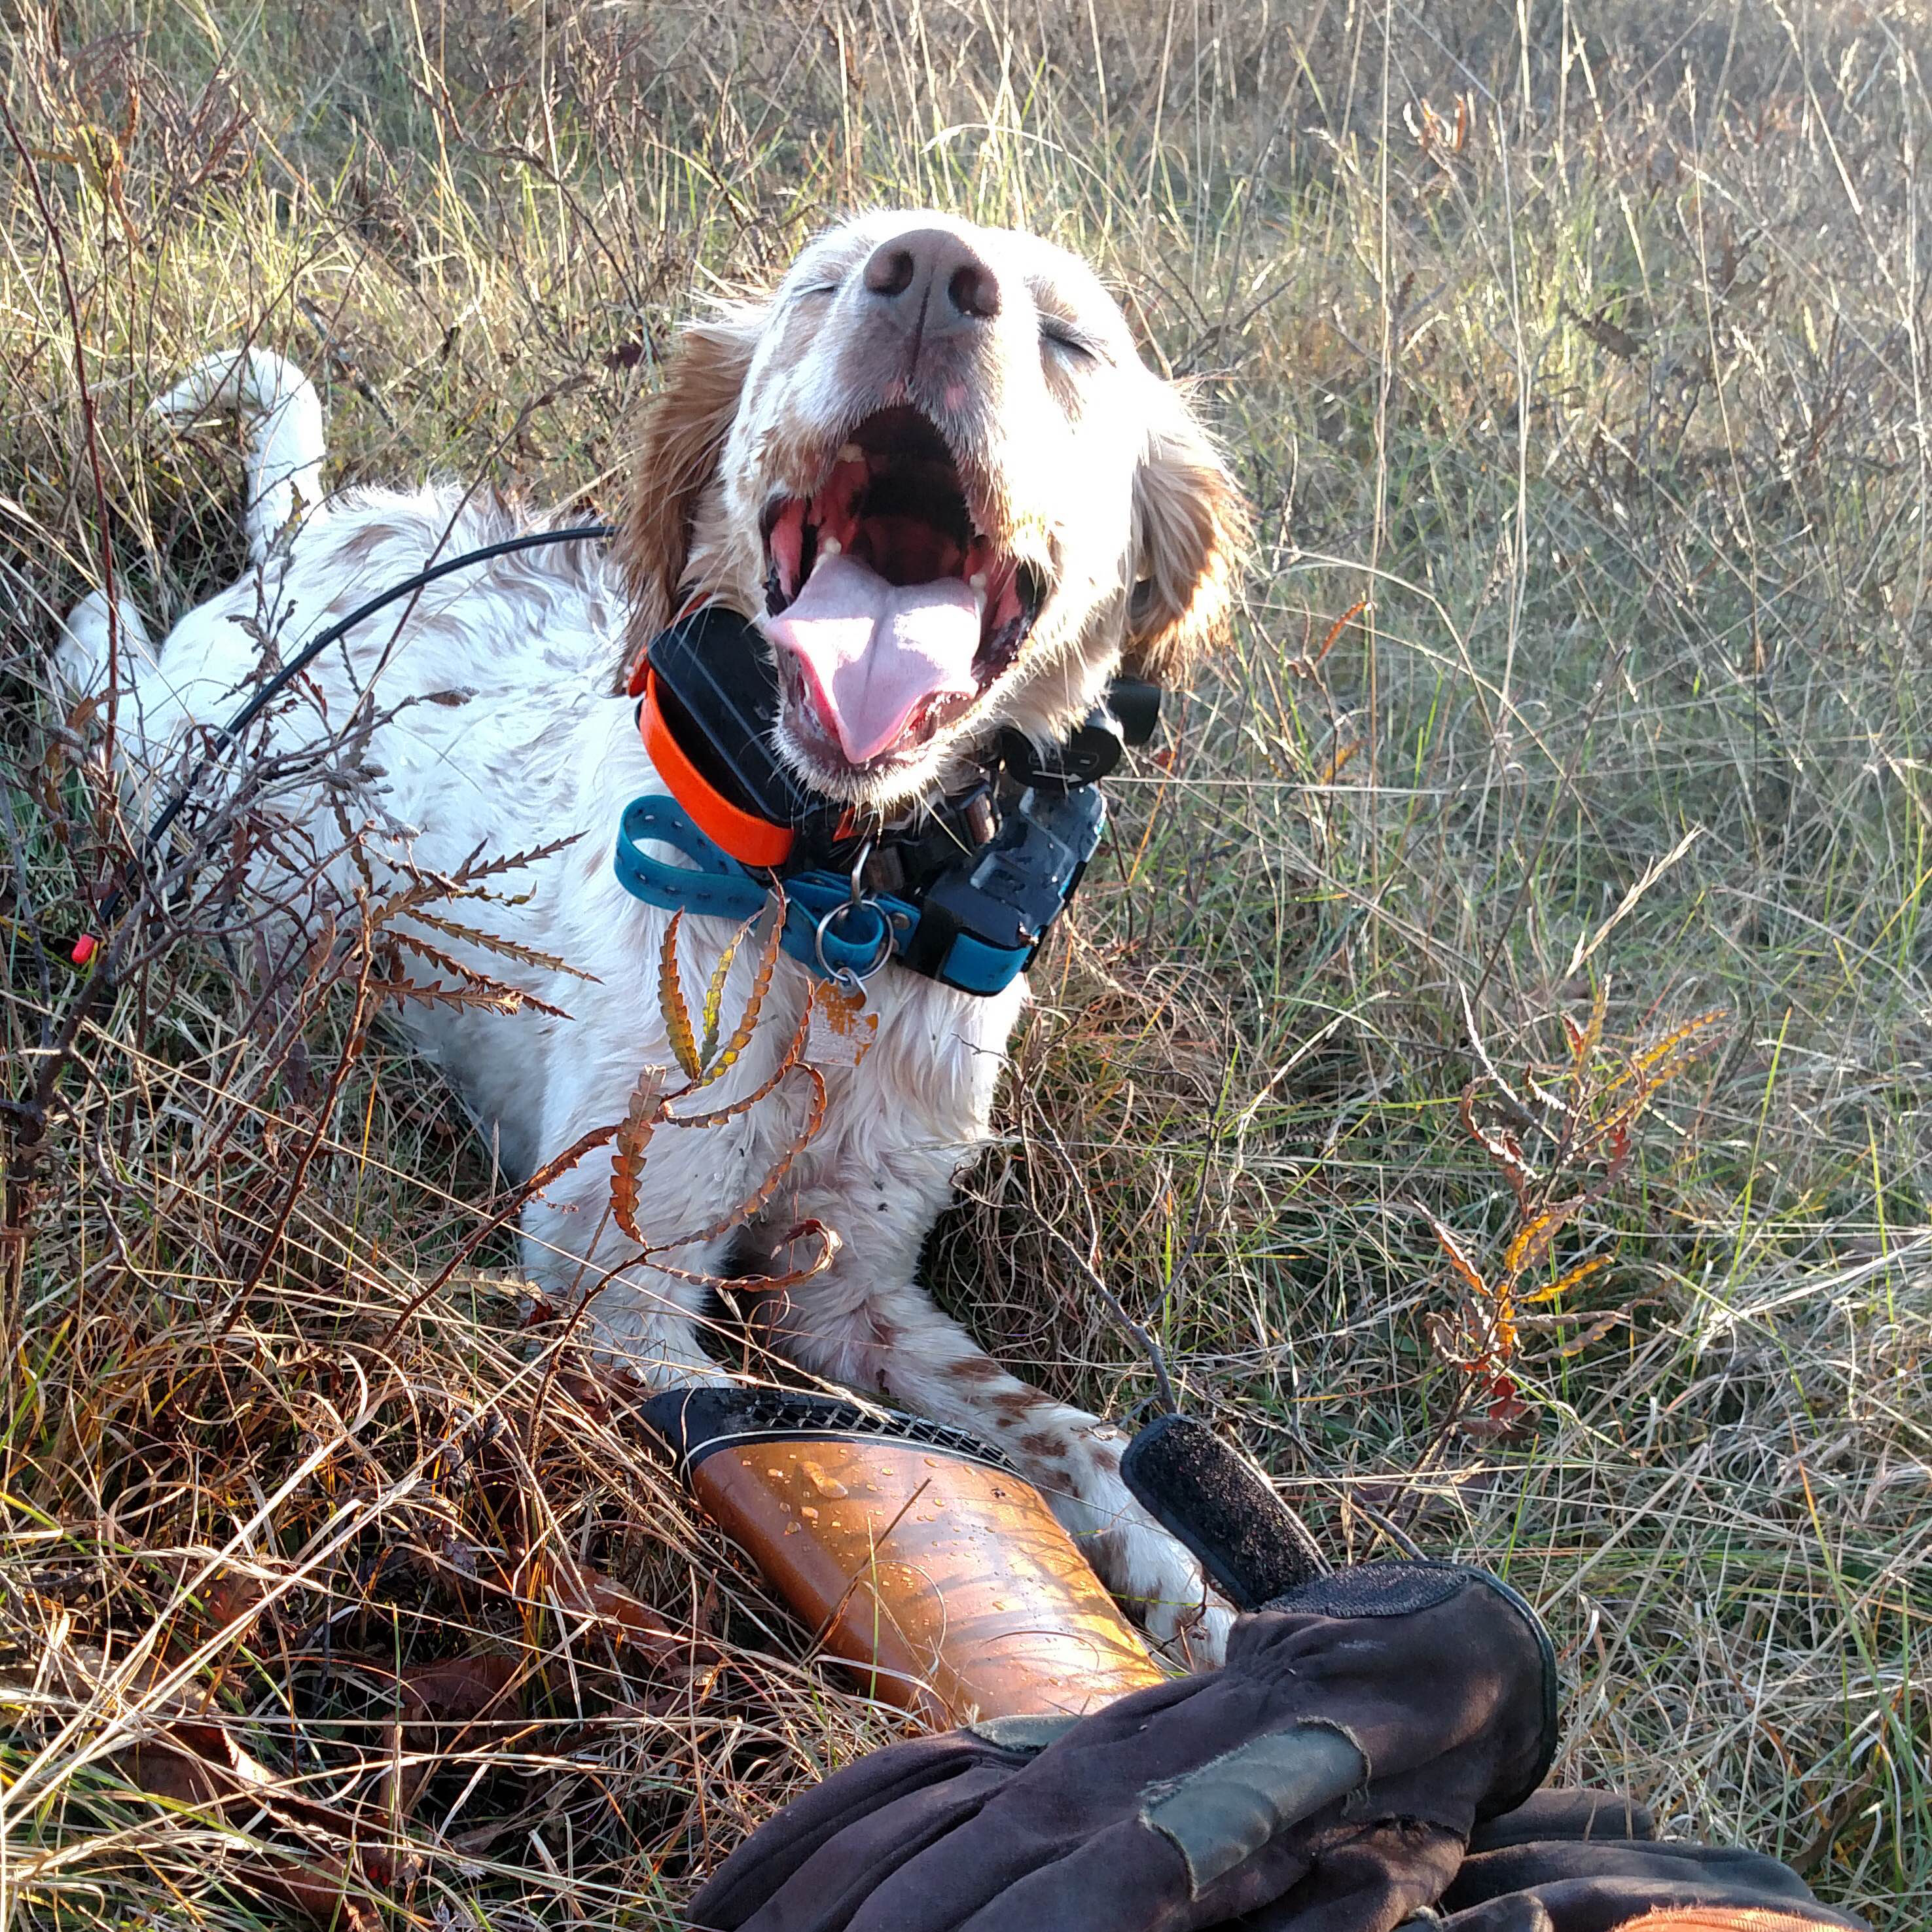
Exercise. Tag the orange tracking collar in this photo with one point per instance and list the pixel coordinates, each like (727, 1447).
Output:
(751, 840)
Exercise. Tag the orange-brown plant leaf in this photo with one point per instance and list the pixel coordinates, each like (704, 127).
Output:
(825, 1253)
(717, 1116)
(1595, 1332)
(487, 941)
(672, 1004)
(508, 998)
(202, 1766)
(1531, 1241)
(1336, 629)
(634, 1135)
(1504, 1148)
(454, 1689)
(1665, 1058)
(769, 930)
(1581, 1272)
(1583, 1041)
(714, 994)
(1337, 762)
(1466, 1270)
(582, 1591)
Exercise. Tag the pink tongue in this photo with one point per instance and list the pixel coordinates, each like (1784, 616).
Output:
(875, 652)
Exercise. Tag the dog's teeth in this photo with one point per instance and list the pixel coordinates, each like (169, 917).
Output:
(831, 547)
(978, 580)
(850, 452)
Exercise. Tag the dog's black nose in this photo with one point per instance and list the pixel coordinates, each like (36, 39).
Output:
(935, 275)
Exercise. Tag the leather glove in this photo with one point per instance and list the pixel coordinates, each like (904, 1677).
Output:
(1587, 1861)
(1330, 1772)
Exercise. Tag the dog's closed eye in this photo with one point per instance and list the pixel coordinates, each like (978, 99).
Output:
(1072, 341)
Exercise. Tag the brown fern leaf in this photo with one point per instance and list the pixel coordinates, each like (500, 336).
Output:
(671, 1002)
(1466, 1270)
(477, 867)
(469, 999)
(385, 911)
(1678, 1049)
(753, 1203)
(1584, 1040)
(1581, 1272)
(495, 942)
(1340, 624)
(437, 886)
(1595, 1332)
(516, 998)
(1667, 1057)
(627, 1160)
(769, 930)
(1503, 1147)
(1530, 1244)
(1615, 1125)
(718, 1116)
(426, 887)
(714, 994)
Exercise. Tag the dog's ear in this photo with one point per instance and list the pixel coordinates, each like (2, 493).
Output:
(684, 433)
(1190, 534)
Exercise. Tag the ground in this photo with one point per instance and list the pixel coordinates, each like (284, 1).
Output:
(1539, 883)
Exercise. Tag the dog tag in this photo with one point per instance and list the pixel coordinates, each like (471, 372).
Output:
(840, 1031)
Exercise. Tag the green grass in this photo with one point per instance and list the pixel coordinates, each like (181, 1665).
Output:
(1588, 347)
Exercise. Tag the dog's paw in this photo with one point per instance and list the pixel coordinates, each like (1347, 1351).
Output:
(1158, 1579)
(1194, 1633)
(1163, 1584)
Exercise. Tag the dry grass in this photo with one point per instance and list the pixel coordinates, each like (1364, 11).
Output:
(1589, 347)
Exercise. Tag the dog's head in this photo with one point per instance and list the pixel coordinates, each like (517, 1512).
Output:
(933, 468)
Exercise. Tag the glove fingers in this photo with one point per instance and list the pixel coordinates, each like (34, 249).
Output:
(1590, 1887)
(830, 1890)
(1606, 1906)
(1009, 1869)
(1520, 1867)
(1446, 1672)
(1594, 1816)
(1370, 1883)
(1078, 1787)
(1125, 1880)
(775, 1852)
(1185, 1853)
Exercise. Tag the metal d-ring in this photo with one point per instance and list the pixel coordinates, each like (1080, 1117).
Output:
(850, 977)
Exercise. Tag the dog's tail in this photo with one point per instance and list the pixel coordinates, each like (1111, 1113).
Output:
(283, 414)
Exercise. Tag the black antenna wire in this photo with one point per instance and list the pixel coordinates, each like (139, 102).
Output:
(229, 734)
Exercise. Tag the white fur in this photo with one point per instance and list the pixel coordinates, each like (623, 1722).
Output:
(283, 414)
(537, 751)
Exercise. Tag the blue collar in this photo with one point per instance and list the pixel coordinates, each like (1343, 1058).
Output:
(975, 928)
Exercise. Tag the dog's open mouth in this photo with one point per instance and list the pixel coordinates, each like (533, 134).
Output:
(891, 612)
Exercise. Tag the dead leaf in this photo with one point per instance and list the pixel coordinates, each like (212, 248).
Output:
(456, 1689)
(627, 1161)
(672, 1005)
(580, 1591)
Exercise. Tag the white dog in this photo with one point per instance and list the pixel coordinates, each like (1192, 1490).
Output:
(933, 467)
